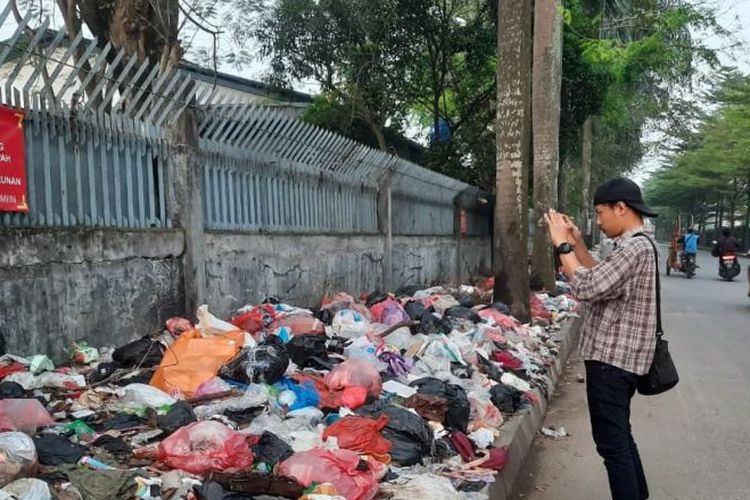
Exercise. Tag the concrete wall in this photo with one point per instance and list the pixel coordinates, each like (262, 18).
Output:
(105, 286)
(243, 269)
(111, 286)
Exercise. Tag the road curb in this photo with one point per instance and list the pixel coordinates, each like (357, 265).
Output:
(518, 432)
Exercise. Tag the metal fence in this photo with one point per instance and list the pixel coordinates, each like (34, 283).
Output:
(98, 154)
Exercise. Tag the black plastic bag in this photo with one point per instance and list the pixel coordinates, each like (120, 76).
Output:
(444, 449)
(375, 297)
(410, 290)
(466, 301)
(461, 371)
(489, 369)
(53, 449)
(144, 353)
(303, 349)
(271, 449)
(244, 416)
(430, 324)
(265, 363)
(499, 306)
(458, 404)
(180, 415)
(325, 315)
(11, 390)
(415, 309)
(506, 398)
(103, 371)
(120, 421)
(116, 446)
(409, 434)
(462, 312)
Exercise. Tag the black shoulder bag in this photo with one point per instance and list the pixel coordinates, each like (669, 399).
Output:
(662, 375)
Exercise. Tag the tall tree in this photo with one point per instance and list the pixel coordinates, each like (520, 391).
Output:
(513, 149)
(357, 51)
(546, 87)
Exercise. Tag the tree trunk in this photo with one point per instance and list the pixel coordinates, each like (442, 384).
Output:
(147, 29)
(746, 237)
(719, 215)
(587, 226)
(380, 136)
(512, 130)
(547, 79)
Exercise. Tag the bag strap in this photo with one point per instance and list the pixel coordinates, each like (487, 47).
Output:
(659, 331)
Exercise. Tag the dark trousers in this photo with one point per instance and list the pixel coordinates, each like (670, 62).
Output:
(609, 390)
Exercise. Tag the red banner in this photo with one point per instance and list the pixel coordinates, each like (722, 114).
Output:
(12, 162)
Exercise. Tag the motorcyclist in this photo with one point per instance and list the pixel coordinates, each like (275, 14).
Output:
(727, 244)
(689, 242)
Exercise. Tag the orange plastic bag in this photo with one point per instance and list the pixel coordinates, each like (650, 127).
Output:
(360, 434)
(193, 359)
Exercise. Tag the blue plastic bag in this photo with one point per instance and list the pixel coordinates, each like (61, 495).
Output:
(305, 394)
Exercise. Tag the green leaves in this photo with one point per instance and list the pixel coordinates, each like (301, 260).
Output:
(714, 160)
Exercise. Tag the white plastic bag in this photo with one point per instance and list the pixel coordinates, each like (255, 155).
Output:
(208, 324)
(29, 381)
(350, 324)
(142, 395)
(17, 456)
(26, 489)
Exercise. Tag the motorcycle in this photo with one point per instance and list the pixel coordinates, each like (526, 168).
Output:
(729, 264)
(688, 264)
(729, 267)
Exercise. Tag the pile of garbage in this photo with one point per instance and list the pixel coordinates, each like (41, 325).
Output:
(400, 394)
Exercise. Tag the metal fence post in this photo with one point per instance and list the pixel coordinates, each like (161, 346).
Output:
(186, 204)
(385, 227)
(458, 233)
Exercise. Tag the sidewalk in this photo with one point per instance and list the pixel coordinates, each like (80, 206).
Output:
(520, 431)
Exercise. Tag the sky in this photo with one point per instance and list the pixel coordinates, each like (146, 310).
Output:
(734, 15)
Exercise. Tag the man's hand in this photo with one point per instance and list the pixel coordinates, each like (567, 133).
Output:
(559, 227)
(575, 234)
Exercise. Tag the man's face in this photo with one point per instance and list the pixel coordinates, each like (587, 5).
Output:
(609, 220)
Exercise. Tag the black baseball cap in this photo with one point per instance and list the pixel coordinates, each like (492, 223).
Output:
(624, 190)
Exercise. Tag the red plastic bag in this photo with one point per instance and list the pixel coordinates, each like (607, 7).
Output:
(24, 415)
(256, 319)
(389, 312)
(507, 360)
(497, 460)
(299, 324)
(205, 446)
(351, 397)
(503, 320)
(355, 372)
(177, 325)
(360, 434)
(338, 467)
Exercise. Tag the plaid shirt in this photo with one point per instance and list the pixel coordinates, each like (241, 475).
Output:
(620, 291)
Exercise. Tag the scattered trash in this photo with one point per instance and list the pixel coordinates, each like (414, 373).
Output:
(404, 394)
(554, 432)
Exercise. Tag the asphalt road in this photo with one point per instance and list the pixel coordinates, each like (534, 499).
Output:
(694, 440)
